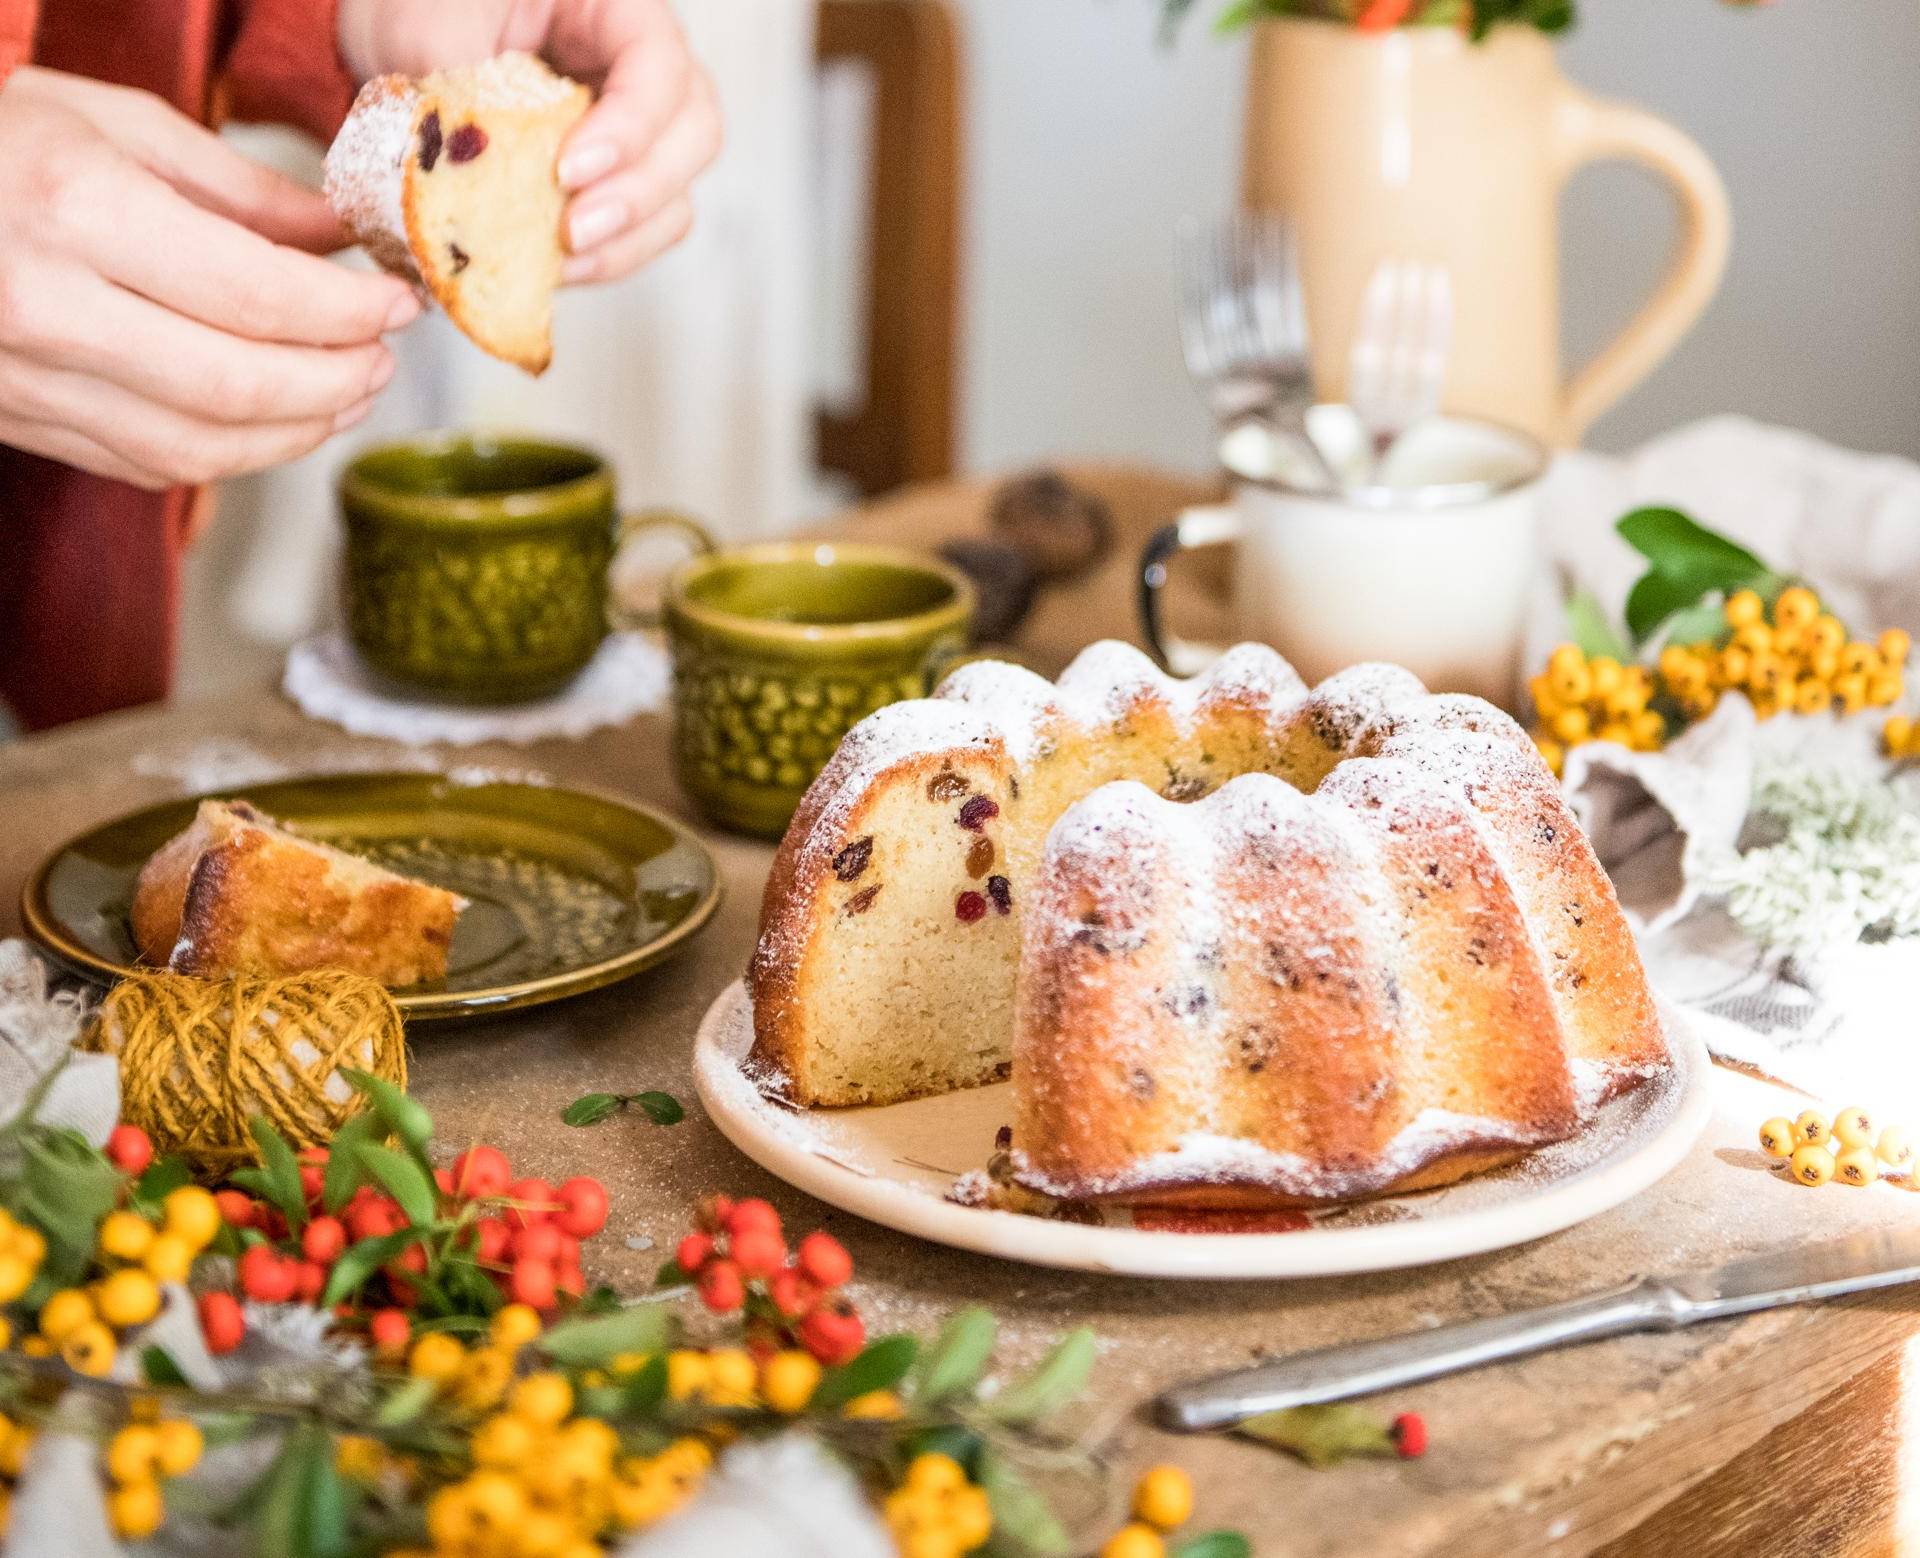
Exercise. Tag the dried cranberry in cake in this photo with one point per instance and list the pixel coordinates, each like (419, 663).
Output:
(969, 907)
(1000, 890)
(862, 901)
(474, 213)
(977, 812)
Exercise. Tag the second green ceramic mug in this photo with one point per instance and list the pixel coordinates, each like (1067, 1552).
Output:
(476, 567)
(778, 649)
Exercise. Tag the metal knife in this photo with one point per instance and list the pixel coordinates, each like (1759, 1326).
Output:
(1873, 1259)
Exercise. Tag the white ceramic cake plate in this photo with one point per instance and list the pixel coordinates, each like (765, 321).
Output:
(895, 1164)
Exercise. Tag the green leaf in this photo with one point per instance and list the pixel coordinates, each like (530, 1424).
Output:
(1698, 624)
(661, 1108)
(881, 1366)
(362, 1260)
(305, 1512)
(591, 1109)
(1588, 627)
(586, 1343)
(1059, 1377)
(1213, 1544)
(66, 1188)
(1019, 1513)
(1686, 563)
(345, 1171)
(958, 1357)
(1321, 1435)
(401, 1178)
(278, 1177)
(406, 1403)
(671, 1275)
(162, 1178)
(158, 1367)
(644, 1389)
(403, 1117)
(1674, 543)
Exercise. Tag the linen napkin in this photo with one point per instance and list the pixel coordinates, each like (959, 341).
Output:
(1833, 1023)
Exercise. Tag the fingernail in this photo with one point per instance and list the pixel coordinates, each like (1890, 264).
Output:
(406, 309)
(596, 224)
(382, 372)
(351, 415)
(584, 164)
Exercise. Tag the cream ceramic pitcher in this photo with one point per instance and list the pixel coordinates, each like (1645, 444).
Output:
(1422, 144)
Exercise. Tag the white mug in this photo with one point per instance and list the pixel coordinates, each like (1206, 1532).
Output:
(1431, 567)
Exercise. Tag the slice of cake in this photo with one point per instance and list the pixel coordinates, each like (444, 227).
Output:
(451, 180)
(238, 893)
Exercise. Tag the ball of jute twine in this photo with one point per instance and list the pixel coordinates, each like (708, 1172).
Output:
(199, 1058)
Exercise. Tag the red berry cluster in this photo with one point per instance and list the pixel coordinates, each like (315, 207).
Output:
(525, 1234)
(737, 1258)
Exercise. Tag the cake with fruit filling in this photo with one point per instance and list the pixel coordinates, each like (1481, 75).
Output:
(1237, 941)
(452, 181)
(238, 893)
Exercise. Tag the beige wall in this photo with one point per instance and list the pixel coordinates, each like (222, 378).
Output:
(1088, 141)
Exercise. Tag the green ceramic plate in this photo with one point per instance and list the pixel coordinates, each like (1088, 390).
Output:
(569, 890)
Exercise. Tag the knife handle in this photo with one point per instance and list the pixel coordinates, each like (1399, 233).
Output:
(1360, 1368)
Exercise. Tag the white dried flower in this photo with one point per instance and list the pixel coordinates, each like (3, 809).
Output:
(1838, 861)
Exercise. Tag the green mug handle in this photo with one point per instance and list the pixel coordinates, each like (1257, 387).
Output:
(630, 617)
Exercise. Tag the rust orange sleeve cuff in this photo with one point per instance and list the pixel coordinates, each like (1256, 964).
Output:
(284, 67)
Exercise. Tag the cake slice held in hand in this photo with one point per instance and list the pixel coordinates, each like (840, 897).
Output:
(451, 180)
(238, 893)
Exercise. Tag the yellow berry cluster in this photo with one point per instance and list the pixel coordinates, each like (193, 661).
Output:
(545, 1483)
(82, 1324)
(936, 1512)
(1799, 662)
(15, 1440)
(475, 1378)
(1900, 737)
(1578, 700)
(1162, 1499)
(1853, 1149)
(139, 1456)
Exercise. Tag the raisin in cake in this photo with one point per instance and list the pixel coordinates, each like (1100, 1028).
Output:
(451, 180)
(238, 893)
(1237, 941)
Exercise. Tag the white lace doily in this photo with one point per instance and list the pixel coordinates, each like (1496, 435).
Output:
(630, 675)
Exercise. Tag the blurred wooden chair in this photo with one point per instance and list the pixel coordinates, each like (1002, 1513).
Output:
(903, 428)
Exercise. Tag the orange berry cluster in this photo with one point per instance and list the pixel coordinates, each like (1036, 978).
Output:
(1798, 661)
(1578, 700)
(1795, 658)
(1852, 1149)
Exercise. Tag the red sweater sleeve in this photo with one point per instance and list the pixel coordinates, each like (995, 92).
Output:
(16, 34)
(284, 66)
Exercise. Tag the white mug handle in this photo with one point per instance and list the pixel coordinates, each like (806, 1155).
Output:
(1212, 524)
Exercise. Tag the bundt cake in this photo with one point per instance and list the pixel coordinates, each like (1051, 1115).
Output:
(1239, 943)
(452, 181)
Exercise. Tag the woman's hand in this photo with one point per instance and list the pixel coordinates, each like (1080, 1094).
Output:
(631, 160)
(159, 322)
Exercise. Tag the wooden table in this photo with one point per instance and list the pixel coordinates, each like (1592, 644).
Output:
(1777, 1434)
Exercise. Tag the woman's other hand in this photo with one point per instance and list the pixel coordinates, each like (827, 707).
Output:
(164, 317)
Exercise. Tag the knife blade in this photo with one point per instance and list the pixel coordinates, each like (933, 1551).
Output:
(1873, 1258)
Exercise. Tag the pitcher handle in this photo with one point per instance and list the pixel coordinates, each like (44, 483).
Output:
(699, 539)
(1213, 524)
(1593, 129)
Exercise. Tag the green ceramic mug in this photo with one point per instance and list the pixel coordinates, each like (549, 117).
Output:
(779, 648)
(477, 568)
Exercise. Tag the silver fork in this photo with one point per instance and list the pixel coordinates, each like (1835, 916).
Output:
(1243, 326)
(1397, 367)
